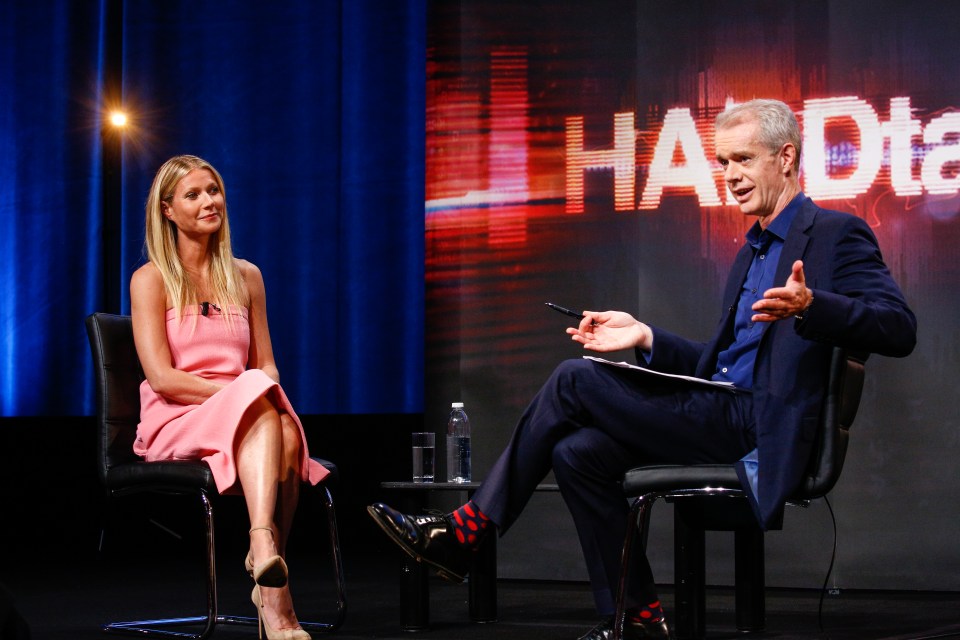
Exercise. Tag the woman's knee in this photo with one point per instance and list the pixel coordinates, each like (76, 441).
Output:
(262, 411)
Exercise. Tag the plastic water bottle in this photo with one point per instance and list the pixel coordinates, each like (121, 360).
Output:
(458, 445)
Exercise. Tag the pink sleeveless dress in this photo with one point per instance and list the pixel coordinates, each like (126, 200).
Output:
(209, 347)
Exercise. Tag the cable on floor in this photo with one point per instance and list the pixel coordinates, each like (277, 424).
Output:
(833, 558)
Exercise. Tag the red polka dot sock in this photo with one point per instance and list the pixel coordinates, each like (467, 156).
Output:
(652, 612)
(469, 525)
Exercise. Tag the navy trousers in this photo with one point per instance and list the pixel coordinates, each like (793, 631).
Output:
(592, 422)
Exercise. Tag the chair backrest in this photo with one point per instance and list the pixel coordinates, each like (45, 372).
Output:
(118, 375)
(844, 387)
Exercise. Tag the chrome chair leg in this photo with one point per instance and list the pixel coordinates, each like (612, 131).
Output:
(638, 526)
(336, 559)
(156, 628)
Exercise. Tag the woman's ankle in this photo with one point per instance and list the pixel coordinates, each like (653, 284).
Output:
(262, 543)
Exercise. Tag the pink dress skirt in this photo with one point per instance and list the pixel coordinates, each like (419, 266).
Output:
(215, 349)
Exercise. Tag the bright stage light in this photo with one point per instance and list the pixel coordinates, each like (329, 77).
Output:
(118, 119)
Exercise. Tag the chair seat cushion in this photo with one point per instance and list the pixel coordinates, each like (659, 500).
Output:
(178, 476)
(334, 478)
(671, 477)
(165, 475)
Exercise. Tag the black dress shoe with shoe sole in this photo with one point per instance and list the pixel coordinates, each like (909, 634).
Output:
(632, 630)
(426, 538)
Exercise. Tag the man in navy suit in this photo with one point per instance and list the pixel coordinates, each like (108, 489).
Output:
(807, 279)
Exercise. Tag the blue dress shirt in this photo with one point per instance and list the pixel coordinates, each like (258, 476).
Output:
(735, 364)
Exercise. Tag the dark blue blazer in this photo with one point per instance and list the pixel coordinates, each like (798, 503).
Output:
(856, 305)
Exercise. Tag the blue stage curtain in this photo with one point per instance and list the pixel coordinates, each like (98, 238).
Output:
(50, 262)
(314, 114)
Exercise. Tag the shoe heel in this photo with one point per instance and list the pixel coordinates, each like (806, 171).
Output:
(264, 628)
(255, 596)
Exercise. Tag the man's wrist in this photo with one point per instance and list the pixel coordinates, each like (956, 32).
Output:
(644, 341)
(803, 312)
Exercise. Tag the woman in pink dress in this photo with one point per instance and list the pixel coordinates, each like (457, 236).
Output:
(212, 387)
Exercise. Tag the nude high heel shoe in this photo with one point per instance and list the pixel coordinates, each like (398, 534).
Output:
(272, 572)
(264, 627)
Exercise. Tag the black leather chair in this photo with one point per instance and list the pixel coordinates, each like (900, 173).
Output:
(710, 498)
(118, 375)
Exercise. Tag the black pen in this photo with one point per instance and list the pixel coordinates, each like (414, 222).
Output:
(564, 310)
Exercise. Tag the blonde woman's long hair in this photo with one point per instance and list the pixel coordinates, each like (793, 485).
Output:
(226, 280)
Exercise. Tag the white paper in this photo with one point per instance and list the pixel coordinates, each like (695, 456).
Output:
(626, 365)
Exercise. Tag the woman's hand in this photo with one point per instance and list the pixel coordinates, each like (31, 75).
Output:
(611, 331)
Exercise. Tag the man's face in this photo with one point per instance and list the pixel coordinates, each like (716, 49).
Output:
(756, 177)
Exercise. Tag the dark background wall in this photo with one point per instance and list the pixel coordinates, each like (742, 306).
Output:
(326, 128)
(56, 510)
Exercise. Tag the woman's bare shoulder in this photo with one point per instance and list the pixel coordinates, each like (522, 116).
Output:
(146, 276)
(252, 276)
(147, 289)
(246, 267)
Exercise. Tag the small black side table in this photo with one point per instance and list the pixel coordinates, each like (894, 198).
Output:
(414, 576)
(414, 584)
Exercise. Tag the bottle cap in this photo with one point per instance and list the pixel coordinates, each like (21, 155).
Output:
(456, 405)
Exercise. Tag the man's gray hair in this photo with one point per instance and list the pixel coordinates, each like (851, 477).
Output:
(778, 124)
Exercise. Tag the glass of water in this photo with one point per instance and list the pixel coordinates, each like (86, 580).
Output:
(424, 456)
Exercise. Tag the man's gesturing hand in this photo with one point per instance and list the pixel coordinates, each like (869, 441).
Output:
(611, 331)
(787, 301)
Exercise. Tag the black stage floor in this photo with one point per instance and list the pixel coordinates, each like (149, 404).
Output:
(52, 574)
(68, 599)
